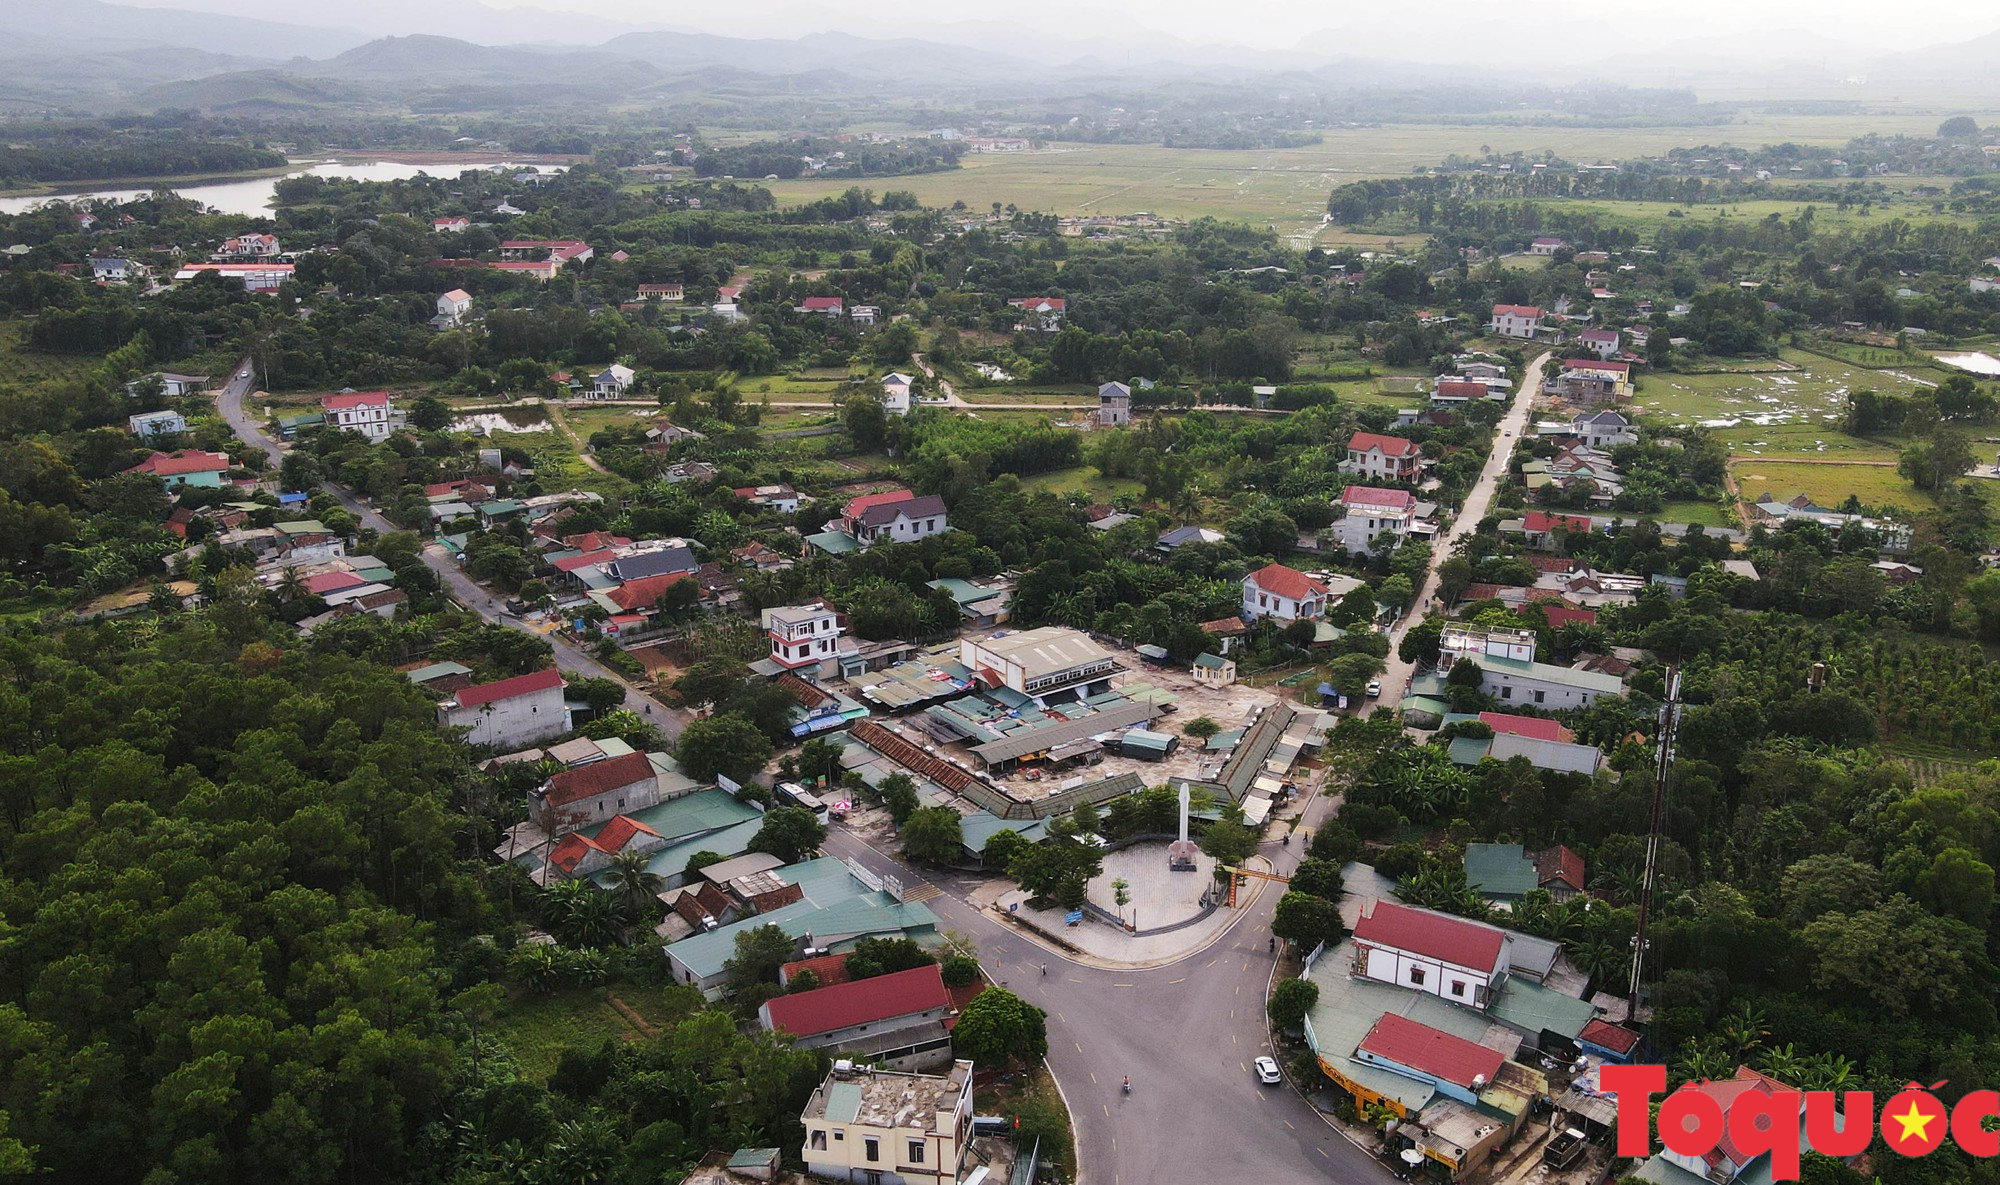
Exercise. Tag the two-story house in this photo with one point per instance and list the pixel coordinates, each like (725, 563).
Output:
(452, 308)
(662, 292)
(509, 713)
(1382, 458)
(1041, 662)
(1114, 405)
(896, 393)
(1603, 429)
(248, 247)
(610, 383)
(366, 412)
(1601, 342)
(1370, 512)
(1516, 320)
(889, 1128)
(455, 224)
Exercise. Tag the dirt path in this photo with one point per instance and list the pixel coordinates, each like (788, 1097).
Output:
(631, 1017)
(561, 422)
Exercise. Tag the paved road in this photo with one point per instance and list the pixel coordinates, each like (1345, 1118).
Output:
(1186, 1033)
(571, 658)
(1396, 679)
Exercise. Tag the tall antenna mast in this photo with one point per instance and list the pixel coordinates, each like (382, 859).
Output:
(1670, 720)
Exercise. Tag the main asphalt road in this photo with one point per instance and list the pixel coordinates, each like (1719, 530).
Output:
(463, 589)
(1186, 1034)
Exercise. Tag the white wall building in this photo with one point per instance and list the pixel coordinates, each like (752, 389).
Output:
(610, 383)
(1516, 320)
(149, 424)
(884, 1128)
(896, 393)
(1448, 957)
(1371, 512)
(804, 635)
(1284, 593)
(366, 412)
(1041, 662)
(454, 305)
(510, 714)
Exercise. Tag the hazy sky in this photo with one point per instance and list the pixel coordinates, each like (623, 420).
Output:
(1420, 29)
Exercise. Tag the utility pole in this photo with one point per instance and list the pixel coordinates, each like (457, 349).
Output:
(1670, 719)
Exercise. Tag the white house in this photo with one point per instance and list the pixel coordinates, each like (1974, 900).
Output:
(1041, 312)
(897, 516)
(456, 224)
(149, 424)
(1284, 593)
(1114, 405)
(886, 1128)
(112, 269)
(896, 393)
(806, 635)
(453, 305)
(249, 247)
(510, 714)
(1370, 512)
(366, 412)
(1546, 246)
(1516, 320)
(1601, 342)
(1603, 429)
(865, 314)
(610, 383)
(1448, 957)
(1384, 458)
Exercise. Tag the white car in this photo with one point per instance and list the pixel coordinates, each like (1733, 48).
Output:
(1267, 1071)
(1375, 689)
(242, 374)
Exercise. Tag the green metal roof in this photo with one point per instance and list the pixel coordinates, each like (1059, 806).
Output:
(1582, 680)
(1499, 869)
(843, 1102)
(835, 542)
(1532, 1007)
(1210, 662)
(1469, 750)
(437, 670)
(705, 810)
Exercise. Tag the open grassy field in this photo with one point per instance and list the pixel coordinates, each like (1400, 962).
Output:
(1648, 217)
(1708, 514)
(1084, 479)
(1828, 484)
(1286, 188)
(538, 1028)
(26, 367)
(1813, 393)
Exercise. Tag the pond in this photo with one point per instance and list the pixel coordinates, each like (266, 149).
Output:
(252, 196)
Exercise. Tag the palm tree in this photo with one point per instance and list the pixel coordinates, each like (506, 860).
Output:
(1623, 884)
(636, 884)
(1743, 1033)
(1187, 502)
(581, 914)
(290, 587)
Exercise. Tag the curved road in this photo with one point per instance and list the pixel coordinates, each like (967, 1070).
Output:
(461, 588)
(1185, 1032)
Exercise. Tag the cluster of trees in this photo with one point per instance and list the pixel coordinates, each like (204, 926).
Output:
(842, 158)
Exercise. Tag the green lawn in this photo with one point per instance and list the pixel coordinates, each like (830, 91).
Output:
(1828, 485)
(1804, 440)
(1080, 397)
(1708, 514)
(537, 1028)
(1084, 479)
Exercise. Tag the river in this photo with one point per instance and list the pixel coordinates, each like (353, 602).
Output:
(252, 196)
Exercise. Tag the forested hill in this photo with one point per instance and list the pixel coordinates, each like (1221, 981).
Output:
(237, 911)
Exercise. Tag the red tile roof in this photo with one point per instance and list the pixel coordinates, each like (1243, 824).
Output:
(1463, 389)
(1518, 310)
(1224, 627)
(354, 399)
(828, 969)
(1526, 726)
(1598, 335)
(1562, 615)
(592, 540)
(1558, 865)
(1431, 1051)
(599, 777)
(1539, 521)
(486, 693)
(1726, 1093)
(1375, 496)
(1286, 582)
(1606, 1035)
(860, 1002)
(643, 594)
(1030, 302)
(1489, 592)
(819, 303)
(1393, 446)
(325, 582)
(619, 832)
(1596, 364)
(1557, 564)
(571, 563)
(855, 506)
(1439, 936)
(189, 460)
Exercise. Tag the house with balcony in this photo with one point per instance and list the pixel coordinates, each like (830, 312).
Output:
(1286, 594)
(1382, 458)
(1370, 512)
(1516, 320)
(807, 638)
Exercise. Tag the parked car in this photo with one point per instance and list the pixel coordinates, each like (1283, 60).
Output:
(1267, 1071)
(1375, 689)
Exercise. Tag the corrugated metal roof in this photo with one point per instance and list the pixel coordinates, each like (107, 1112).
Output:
(1036, 740)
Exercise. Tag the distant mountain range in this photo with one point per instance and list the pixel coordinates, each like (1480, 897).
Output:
(90, 55)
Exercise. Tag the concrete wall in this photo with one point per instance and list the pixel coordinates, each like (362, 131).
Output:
(514, 723)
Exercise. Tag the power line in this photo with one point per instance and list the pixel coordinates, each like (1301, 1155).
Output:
(1670, 719)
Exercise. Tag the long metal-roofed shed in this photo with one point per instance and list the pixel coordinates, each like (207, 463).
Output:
(1147, 745)
(1032, 742)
